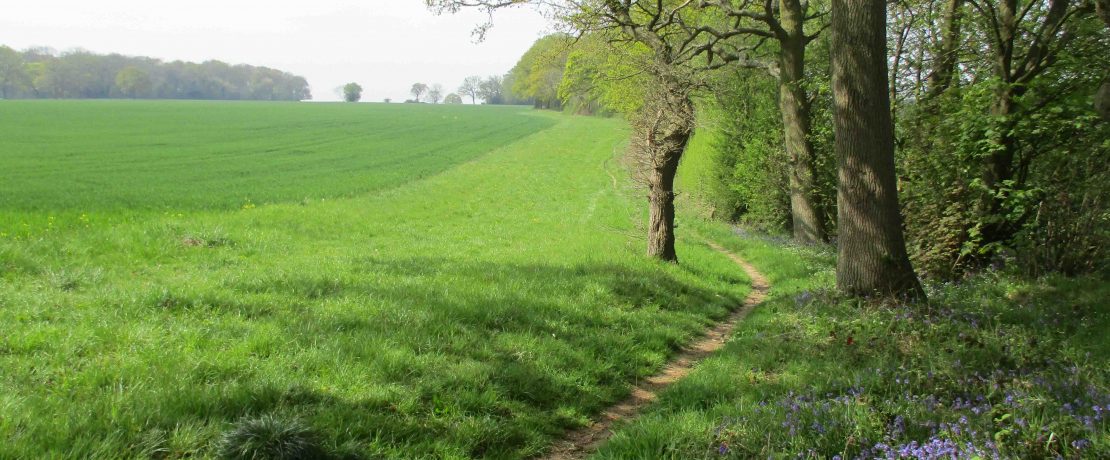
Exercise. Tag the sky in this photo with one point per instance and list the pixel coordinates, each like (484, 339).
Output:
(384, 45)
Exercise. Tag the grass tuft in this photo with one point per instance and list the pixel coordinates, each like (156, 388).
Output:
(269, 437)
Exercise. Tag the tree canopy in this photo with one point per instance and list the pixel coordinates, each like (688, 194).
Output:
(352, 92)
(78, 74)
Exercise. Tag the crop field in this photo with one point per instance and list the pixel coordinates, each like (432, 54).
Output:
(132, 155)
(394, 281)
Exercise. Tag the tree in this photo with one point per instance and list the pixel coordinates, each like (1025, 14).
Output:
(871, 250)
(352, 92)
(784, 23)
(82, 74)
(13, 76)
(666, 43)
(1102, 97)
(492, 89)
(418, 89)
(453, 99)
(435, 93)
(539, 72)
(470, 87)
(133, 82)
(1024, 42)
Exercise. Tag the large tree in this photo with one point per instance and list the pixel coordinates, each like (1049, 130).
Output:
(539, 72)
(435, 93)
(754, 23)
(492, 89)
(1023, 39)
(470, 87)
(13, 76)
(418, 90)
(871, 247)
(352, 92)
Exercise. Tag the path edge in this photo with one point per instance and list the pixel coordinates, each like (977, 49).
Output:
(579, 443)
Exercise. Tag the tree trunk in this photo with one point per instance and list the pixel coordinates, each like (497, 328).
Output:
(944, 63)
(1102, 98)
(809, 227)
(662, 133)
(661, 211)
(872, 250)
(1000, 163)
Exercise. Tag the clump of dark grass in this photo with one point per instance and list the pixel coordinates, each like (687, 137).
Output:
(208, 239)
(269, 437)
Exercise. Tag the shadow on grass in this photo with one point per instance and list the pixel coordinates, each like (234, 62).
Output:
(467, 358)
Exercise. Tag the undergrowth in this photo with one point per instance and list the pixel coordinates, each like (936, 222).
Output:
(995, 366)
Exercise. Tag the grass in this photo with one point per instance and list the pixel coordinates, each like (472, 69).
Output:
(477, 311)
(112, 156)
(402, 295)
(993, 367)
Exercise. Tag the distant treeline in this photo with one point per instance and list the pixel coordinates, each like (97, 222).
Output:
(45, 73)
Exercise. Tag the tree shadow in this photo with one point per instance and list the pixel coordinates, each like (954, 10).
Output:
(495, 359)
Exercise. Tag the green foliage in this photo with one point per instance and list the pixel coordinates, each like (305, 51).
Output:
(43, 73)
(748, 178)
(1048, 215)
(492, 90)
(741, 170)
(539, 72)
(14, 77)
(603, 77)
(134, 83)
(352, 92)
(440, 312)
(1053, 212)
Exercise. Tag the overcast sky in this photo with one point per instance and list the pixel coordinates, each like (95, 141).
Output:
(384, 45)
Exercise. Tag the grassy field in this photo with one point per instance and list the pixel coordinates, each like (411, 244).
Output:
(445, 299)
(89, 156)
(409, 296)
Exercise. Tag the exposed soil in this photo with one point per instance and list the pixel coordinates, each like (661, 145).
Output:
(579, 443)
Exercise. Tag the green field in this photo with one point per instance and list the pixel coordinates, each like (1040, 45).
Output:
(475, 295)
(131, 155)
(461, 282)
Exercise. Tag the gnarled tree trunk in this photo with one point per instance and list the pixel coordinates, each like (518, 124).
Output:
(872, 250)
(660, 135)
(661, 210)
(809, 227)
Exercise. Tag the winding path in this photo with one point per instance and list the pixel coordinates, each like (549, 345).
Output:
(577, 444)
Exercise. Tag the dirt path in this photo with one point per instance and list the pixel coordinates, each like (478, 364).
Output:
(579, 443)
